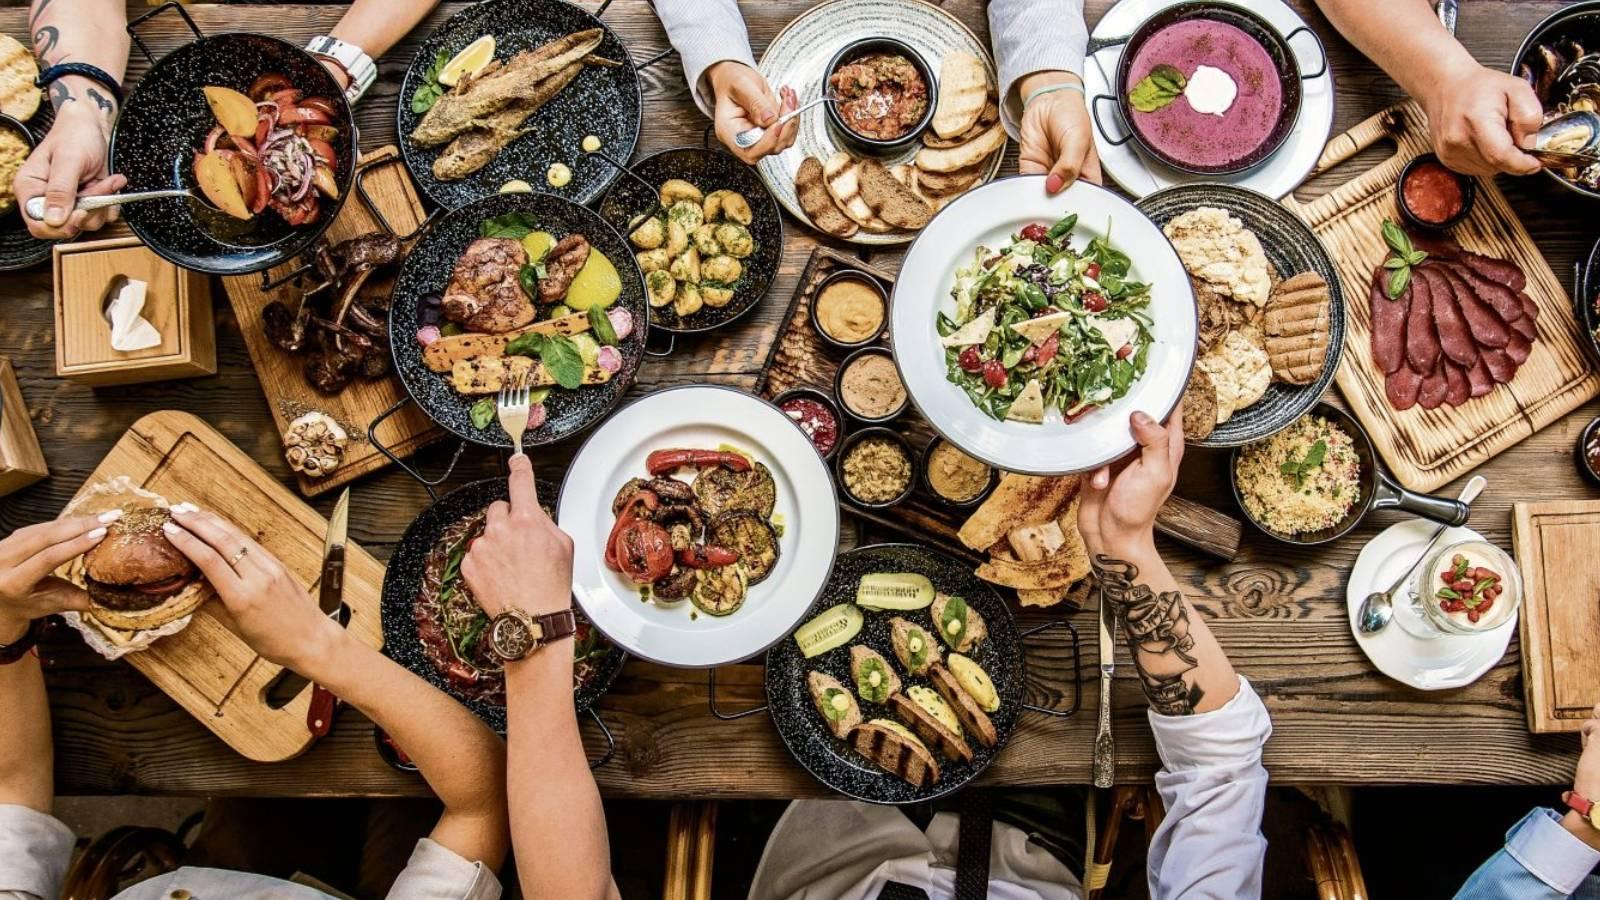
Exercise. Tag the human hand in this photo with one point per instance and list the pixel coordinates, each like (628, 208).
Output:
(745, 101)
(1480, 118)
(1057, 136)
(1116, 515)
(1586, 780)
(268, 607)
(70, 162)
(522, 559)
(27, 557)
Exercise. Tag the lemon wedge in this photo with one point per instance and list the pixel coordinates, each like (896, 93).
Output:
(469, 62)
(516, 186)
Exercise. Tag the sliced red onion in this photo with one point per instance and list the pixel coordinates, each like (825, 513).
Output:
(609, 359)
(427, 334)
(621, 322)
(305, 179)
(212, 138)
(536, 415)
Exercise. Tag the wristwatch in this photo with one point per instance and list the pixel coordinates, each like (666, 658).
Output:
(514, 634)
(10, 653)
(352, 59)
(1583, 806)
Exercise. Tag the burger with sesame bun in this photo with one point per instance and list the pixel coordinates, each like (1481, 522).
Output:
(136, 579)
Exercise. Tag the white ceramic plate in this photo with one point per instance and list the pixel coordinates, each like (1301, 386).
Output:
(700, 417)
(1139, 174)
(989, 215)
(800, 53)
(1448, 661)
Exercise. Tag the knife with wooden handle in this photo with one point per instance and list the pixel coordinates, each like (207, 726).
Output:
(1105, 749)
(330, 597)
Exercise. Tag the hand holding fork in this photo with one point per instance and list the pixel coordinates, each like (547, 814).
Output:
(512, 408)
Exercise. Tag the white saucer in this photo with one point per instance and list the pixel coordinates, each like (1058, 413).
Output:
(1139, 174)
(1448, 661)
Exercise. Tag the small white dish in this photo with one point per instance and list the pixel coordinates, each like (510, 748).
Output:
(1139, 174)
(1448, 661)
(700, 417)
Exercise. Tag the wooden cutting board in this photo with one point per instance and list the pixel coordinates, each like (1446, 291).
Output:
(1555, 544)
(206, 668)
(1426, 449)
(282, 374)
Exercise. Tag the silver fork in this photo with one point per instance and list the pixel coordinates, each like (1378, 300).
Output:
(512, 408)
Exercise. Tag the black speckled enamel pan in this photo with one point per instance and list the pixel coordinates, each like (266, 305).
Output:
(18, 247)
(604, 101)
(835, 763)
(166, 118)
(426, 271)
(403, 579)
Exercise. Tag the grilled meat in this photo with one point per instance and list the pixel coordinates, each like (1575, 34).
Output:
(561, 265)
(484, 294)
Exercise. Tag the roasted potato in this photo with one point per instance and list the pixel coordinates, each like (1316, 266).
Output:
(677, 237)
(725, 269)
(736, 209)
(735, 240)
(687, 266)
(705, 241)
(716, 294)
(649, 235)
(675, 189)
(688, 301)
(651, 260)
(687, 214)
(713, 204)
(661, 286)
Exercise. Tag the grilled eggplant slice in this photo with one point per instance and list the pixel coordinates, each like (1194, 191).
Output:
(721, 490)
(834, 702)
(930, 726)
(973, 719)
(752, 536)
(875, 679)
(896, 750)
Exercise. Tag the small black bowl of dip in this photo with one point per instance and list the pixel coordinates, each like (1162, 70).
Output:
(881, 118)
(842, 462)
(1433, 197)
(929, 463)
(817, 415)
(1588, 452)
(833, 303)
(844, 390)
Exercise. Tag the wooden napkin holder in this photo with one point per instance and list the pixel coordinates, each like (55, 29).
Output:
(21, 460)
(177, 303)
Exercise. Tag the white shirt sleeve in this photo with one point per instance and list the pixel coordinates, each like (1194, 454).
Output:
(705, 32)
(434, 872)
(35, 849)
(1034, 36)
(1214, 788)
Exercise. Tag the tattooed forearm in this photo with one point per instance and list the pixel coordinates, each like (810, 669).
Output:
(102, 101)
(44, 42)
(60, 94)
(1157, 630)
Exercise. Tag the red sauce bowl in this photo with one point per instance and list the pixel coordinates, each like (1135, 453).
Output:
(1432, 197)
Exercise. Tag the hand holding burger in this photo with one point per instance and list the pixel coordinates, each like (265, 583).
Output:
(136, 579)
(27, 557)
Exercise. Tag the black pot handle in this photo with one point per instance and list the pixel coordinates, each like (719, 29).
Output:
(1322, 50)
(711, 700)
(372, 205)
(1094, 113)
(1097, 44)
(611, 742)
(372, 437)
(640, 67)
(1388, 494)
(1077, 683)
(672, 344)
(133, 30)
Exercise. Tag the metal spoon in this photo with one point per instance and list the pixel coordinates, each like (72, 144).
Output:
(751, 136)
(1378, 608)
(35, 207)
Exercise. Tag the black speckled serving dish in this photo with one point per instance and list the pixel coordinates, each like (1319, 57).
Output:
(18, 248)
(831, 760)
(166, 118)
(708, 170)
(403, 579)
(426, 271)
(1292, 248)
(602, 101)
(1586, 296)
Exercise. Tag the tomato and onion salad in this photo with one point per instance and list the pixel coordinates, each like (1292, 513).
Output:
(1084, 364)
(291, 158)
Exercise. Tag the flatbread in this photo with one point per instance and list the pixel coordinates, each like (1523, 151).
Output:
(1199, 406)
(1239, 370)
(19, 97)
(963, 91)
(812, 191)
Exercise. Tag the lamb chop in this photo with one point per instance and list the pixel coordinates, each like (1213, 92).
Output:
(343, 333)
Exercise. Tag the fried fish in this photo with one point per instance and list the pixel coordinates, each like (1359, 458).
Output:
(470, 103)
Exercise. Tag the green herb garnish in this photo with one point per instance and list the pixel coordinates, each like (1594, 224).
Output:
(1402, 259)
(431, 90)
(1163, 85)
(528, 277)
(1298, 469)
(513, 225)
(953, 614)
(482, 413)
(833, 713)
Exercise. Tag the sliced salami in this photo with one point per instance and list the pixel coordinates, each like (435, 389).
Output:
(1401, 387)
(1388, 324)
(1519, 349)
(1501, 366)
(1487, 327)
(1457, 387)
(1479, 378)
(1434, 387)
(1422, 340)
(1455, 339)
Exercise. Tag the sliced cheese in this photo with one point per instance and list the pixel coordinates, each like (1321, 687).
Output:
(974, 332)
(1117, 332)
(1039, 330)
(1029, 405)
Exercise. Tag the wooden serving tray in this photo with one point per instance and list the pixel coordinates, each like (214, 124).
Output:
(801, 358)
(206, 668)
(282, 374)
(1426, 449)
(1555, 544)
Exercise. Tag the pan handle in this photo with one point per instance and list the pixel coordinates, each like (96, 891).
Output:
(372, 437)
(711, 700)
(640, 67)
(1097, 44)
(611, 742)
(1388, 494)
(1321, 51)
(1077, 683)
(372, 205)
(1094, 113)
(133, 30)
(672, 344)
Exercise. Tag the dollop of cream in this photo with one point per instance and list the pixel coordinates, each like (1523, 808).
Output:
(1210, 91)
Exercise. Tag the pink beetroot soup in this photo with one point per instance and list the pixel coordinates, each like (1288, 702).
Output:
(1203, 140)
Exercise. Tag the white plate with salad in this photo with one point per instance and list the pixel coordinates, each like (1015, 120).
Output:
(1028, 327)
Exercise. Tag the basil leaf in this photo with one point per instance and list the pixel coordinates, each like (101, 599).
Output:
(1399, 280)
(528, 279)
(562, 360)
(1163, 85)
(600, 324)
(1416, 258)
(527, 344)
(1447, 594)
(482, 413)
(954, 611)
(1315, 456)
(513, 225)
(832, 712)
(1395, 262)
(1396, 238)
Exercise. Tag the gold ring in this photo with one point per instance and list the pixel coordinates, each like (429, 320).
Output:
(238, 556)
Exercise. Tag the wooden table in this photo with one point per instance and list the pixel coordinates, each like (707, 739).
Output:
(1278, 612)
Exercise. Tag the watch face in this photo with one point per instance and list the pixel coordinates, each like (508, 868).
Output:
(510, 637)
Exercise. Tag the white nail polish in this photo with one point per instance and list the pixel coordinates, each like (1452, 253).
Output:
(110, 515)
(185, 507)
(96, 534)
(169, 528)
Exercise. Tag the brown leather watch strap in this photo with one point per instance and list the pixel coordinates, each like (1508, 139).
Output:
(557, 625)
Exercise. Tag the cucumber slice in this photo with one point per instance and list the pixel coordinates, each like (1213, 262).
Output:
(894, 590)
(975, 681)
(830, 629)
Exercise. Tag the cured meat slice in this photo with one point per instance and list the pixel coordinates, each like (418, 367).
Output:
(1503, 300)
(1422, 341)
(1499, 271)
(1434, 387)
(1501, 367)
(1401, 388)
(1479, 378)
(1454, 336)
(1525, 327)
(1457, 387)
(1519, 349)
(1486, 325)
(1440, 248)
(1529, 308)
(1388, 324)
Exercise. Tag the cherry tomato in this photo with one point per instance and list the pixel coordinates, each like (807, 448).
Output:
(1125, 351)
(1094, 302)
(969, 360)
(994, 374)
(644, 551)
(1047, 350)
(1093, 271)
(1034, 232)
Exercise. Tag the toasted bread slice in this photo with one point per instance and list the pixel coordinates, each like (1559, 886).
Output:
(842, 174)
(968, 154)
(890, 200)
(1296, 321)
(944, 183)
(932, 731)
(963, 91)
(842, 721)
(989, 116)
(973, 718)
(812, 191)
(895, 752)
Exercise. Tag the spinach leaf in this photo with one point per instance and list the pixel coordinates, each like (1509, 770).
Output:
(528, 279)
(482, 412)
(1063, 227)
(1163, 85)
(1030, 296)
(562, 360)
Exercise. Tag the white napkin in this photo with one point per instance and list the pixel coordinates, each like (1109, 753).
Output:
(129, 330)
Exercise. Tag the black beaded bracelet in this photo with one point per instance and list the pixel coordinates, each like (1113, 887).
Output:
(93, 73)
(10, 653)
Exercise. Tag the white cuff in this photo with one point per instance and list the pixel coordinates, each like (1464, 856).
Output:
(1549, 852)
(1228, 736)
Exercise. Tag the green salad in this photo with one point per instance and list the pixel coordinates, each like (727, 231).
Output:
(1039, 324)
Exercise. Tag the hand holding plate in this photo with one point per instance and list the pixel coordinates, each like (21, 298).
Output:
(1117, 513)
